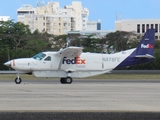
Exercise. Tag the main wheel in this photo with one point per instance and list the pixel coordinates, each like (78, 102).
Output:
(68, 80)
(18, 80)
(62, 80)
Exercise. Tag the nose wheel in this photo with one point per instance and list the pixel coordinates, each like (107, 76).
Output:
(18, 80)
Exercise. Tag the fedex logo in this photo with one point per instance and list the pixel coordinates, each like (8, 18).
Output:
(146, 46)
(76, 60)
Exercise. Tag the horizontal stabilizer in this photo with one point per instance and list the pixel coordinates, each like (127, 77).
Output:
(144, 56)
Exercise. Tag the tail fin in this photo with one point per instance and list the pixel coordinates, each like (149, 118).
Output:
(145, 48)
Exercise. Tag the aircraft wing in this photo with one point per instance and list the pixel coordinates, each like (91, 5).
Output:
(144, 56)
(69, 52)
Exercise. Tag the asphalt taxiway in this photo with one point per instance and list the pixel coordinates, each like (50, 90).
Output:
(105, 95)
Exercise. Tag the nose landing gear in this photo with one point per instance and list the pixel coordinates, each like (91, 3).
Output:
(18, 80)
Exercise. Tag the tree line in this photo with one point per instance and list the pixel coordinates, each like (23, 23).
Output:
(17, 41)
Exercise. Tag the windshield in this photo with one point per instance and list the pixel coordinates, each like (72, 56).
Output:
(39, 56)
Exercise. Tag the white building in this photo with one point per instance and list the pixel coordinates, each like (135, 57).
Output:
(4, 18)
(95, 33)
(81, 15)
(92, 28)
(53, 19)
(139, 26)
(94, 25)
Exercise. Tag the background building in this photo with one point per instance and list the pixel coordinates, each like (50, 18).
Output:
(139, 26)
(53, 19)
(94, 25)
(4, 18)
(95, 33)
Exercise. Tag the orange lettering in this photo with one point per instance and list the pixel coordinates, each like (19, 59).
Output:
(83, 61)
(78, 60)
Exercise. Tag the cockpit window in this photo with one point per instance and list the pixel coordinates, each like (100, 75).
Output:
(48, 58)
(39, 56)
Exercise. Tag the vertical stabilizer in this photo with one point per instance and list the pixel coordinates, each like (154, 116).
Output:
(146, 45)
(144, 50)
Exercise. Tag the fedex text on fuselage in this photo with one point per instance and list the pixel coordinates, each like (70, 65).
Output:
(75, 60)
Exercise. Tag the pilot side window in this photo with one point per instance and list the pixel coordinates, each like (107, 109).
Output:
(39, 56)
(48, 58)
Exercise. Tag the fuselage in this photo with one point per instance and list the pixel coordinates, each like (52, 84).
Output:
(86, 61)
(48, 64)
(73, 62)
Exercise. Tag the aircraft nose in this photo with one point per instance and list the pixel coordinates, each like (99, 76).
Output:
(7, 63)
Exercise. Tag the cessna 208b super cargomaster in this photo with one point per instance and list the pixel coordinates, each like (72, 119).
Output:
(71, 62)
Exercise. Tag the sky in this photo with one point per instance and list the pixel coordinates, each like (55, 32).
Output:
(106, 10)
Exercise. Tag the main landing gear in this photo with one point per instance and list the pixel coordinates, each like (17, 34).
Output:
(67, 80)
(18, 80)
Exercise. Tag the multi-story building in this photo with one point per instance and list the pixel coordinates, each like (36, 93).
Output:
(53, 19)
(94, 25)
(81, 15)
(4, 18)
(139, 26)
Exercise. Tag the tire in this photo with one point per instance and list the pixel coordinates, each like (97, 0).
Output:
(62, 80)
(68, 80)
(18, 80)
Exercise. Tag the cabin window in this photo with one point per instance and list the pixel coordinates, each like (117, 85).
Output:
(48, 58)
(39, 56)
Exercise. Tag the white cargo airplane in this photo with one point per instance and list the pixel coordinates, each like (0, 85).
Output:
(71, 63)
